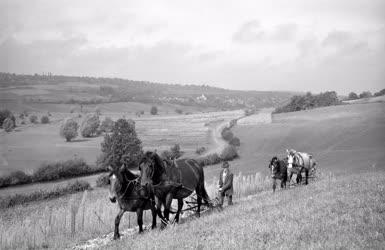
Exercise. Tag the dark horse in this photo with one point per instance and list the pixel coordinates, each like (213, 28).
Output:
(126, 189)
(172, 180)
(278, 171)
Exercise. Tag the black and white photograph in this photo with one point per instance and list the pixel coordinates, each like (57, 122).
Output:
(173, 124)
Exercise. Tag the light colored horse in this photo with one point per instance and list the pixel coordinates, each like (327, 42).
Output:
(303, 162)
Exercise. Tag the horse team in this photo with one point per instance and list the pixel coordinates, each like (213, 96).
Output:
(160, 181)
(295, 163)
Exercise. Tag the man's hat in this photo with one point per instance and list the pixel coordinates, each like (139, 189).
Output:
(225, 164)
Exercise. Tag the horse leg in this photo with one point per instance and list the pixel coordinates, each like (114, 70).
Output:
(290, 176)
(117, 222)
(299, 176)
(306, 176)
(180, 206)
(139, 216)
(153, 213)
(274, 184)
(167, 207)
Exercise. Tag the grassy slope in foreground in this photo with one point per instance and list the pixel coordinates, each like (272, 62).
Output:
(344, 212)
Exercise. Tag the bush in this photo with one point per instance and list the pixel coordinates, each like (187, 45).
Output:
(90, 126)
(229, 153)
(365, 94)
(8, 124)
(380, 93)
(107, 125)
(200, 150)
(4, 114)
(33, 119)
(309, 101)
(15, 178)
(209, 160)
(235, 141)
(44, 119)
(154, 110)
(122, 146)
(227, 135)
(248, 112)
(352, 96)
(179, 111)
(69, 129)
(70, 188)
(63, 169)
(103, 180)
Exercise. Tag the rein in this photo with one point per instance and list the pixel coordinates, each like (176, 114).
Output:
(135, 182)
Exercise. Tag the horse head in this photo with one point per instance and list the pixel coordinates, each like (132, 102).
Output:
(273, 165)
(151, 169)
(119, 178)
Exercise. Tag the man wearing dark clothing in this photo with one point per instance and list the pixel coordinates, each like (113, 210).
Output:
(226, 184)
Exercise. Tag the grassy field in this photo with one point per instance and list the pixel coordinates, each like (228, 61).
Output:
(343, 139)
(91, 214)
(345, 212)
(32, 144)
(345, 209)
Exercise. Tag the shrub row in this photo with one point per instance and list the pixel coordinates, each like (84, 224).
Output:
(51, 171)
(229, 153)
(17, 199)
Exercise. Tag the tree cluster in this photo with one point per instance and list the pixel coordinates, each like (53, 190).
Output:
(310, 101)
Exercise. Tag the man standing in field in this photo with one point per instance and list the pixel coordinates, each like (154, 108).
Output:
(226, 184)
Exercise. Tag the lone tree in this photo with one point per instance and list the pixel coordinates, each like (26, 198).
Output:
(154, 110)
(122, 146)
(8, 124)
(4, 114)
(69, 129)
(352, 96)
(90, 126)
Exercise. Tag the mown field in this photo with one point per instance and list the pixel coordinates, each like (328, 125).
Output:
(32, 144)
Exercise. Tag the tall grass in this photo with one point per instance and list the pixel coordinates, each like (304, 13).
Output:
(88, 215)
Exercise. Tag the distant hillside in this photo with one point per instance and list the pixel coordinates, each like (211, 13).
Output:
(91, 90)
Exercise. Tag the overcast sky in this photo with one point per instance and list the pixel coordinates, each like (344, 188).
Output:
(298, 45)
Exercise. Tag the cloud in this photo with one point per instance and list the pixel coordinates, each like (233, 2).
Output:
(249, 32)
(252, 31)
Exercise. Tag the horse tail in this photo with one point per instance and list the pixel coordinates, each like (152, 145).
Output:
(204, 194)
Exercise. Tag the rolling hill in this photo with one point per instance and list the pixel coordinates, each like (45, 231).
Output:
(52, 89)
(343, 138)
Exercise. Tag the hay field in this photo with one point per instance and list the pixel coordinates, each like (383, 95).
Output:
(345, 212)
(30, 145)
(75, 218)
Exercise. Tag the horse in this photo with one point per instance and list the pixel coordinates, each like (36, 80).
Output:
(303, 162)
(278, 171)
(170, 180)
(125, 188)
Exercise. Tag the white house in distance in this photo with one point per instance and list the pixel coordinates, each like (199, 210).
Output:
(201, 98)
